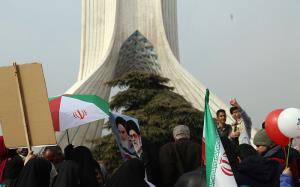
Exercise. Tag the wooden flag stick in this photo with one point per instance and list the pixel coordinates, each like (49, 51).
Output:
(22, 106)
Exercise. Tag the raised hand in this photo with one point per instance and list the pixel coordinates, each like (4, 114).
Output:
(235, 134)
(287, 171)
(234, 102)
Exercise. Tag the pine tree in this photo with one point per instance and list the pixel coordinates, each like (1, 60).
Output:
(148, 98)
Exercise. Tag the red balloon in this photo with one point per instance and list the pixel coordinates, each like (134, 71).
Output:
(272, 129)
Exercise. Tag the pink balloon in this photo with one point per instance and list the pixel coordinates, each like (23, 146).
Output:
(272, 129)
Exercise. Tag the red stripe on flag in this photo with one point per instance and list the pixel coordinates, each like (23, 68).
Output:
(55, 107)
(203, 152)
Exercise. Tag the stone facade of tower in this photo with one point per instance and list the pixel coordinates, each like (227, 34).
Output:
(124, 35)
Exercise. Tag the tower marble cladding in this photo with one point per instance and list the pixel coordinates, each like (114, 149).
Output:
(110, 29)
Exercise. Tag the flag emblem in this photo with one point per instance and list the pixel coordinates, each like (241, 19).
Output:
(225, 166)
(81, 114)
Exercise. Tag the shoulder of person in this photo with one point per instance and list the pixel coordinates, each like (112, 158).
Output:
(167, 146)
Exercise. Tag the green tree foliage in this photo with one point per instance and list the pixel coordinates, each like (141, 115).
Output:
(148, 98)
(107, 151)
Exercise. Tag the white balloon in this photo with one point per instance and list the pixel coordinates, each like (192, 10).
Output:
(289, 122)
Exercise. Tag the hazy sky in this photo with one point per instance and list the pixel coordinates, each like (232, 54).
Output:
(245, 49)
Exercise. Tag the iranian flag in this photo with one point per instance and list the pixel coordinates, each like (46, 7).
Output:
(218, 170)
(73, 110)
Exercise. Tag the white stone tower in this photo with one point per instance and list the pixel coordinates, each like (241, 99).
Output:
(123, 35)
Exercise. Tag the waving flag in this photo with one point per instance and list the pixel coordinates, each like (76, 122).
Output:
(73, 110)
(218, 170)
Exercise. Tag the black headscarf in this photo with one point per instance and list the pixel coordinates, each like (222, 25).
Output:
(257, 171)
(193, 178)
(130, 174)
(68, 175)
(83, 157)
(36, 173)
(68, 151)
(14, 165)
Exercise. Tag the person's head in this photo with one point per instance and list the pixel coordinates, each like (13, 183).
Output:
(86, 163)
(262, 142)
(12, 152)
(221, 116)
(68, 151)
(245, 150)
(121, 123)
(36, 173)
(134, 134)
(14, 165)
(23, 151)
(235, 112)
(181, 132)
(131, 173)
(58, 156)
(82, 154)
(99, 177)
(48, 153)
(98, 173)
(53, 154)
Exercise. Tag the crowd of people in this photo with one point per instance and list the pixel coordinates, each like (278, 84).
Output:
(53, 168)
(177, 163)
(264, 166)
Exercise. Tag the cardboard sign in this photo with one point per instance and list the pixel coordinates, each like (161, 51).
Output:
(24, 102)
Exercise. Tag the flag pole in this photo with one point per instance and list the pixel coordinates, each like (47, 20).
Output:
(68, 136)
(22, 106)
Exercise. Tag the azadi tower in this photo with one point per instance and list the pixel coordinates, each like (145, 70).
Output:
(118, 36)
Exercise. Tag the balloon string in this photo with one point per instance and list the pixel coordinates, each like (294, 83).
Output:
(284, 151)
(288, 154)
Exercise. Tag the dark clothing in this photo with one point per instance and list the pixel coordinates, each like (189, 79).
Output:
(150, 159)
(196, 178)
(36, 173)
(68, 175)
(278, 154)
(84, 159)
(225, 131)
(230, 150)
(176, 158)
(11, 164)
(130, 174)
(228, 144)
(255, 171)
(12, 170)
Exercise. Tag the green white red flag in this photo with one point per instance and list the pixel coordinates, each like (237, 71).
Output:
(70, 111)
(218, 169)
